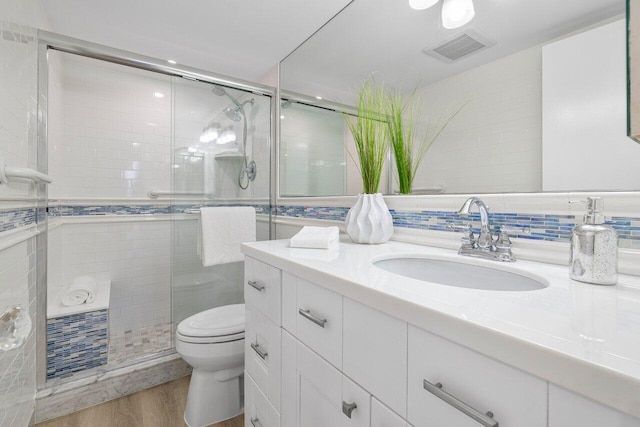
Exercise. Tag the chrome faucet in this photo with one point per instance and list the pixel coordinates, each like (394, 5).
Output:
(485, 246)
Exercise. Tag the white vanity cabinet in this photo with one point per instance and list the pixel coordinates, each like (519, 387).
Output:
(450, 384)
(334, 361)
(375, 353)
(262, 352)
(313, 314)
(570, 409)
(316, 393)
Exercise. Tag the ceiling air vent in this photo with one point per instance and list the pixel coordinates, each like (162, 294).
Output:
(459, 46)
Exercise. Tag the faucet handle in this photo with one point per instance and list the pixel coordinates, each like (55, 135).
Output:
(468, 239)
(503, 243)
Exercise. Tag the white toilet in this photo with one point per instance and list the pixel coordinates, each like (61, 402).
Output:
(212, 342)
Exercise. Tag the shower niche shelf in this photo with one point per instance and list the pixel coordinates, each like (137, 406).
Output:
(228, 155)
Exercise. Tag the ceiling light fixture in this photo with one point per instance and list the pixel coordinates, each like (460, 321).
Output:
(318, 98)
(158, 94)
(422, 4)
(456, 13)
(171, 61)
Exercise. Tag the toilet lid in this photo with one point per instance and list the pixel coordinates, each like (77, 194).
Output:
(216, 322)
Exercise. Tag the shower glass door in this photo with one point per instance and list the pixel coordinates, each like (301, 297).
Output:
(134, 154)
(221, 157)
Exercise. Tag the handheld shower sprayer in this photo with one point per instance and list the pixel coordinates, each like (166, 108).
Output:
(237, 114)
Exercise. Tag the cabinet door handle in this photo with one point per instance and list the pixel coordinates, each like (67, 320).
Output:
(307, 315)
(257, 349)
(347, 408)
(255, 422)
(255, 285)
(484, 419)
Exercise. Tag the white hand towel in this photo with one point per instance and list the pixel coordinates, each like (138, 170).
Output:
(81, 291)
(316, 237)
(222, 230)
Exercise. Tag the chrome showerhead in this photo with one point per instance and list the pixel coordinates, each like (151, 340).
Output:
(233, 113)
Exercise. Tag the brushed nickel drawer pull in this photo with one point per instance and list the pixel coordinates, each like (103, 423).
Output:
(484, 419)
(307, 315)
(347, 408)
(255, 422)
(255, 285)
(258, 350)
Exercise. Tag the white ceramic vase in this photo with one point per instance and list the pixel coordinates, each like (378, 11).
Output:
(369, 220)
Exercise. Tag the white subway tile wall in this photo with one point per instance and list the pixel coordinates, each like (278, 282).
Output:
(493, 144)
(134, 256)
(18, 367)
(115, 136)
(18, 132)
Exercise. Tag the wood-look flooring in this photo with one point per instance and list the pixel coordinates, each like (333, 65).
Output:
(160, 406)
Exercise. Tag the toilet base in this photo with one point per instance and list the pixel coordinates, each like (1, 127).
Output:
(214, 397)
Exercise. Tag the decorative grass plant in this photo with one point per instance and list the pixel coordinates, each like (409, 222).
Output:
(409, 144)
(369, 130)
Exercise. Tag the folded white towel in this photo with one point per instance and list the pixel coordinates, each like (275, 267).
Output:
(81, 291)
(316, 237)
(222, 230)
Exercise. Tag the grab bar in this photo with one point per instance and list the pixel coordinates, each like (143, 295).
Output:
(7, 172)
(155, 194)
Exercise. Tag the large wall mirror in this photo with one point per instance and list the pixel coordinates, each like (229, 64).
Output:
(543, 84)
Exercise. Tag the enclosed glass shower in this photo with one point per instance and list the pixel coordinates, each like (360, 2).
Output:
(134, 154)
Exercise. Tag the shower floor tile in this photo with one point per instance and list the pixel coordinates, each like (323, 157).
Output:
(132, 344)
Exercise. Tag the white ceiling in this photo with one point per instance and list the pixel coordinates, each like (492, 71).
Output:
(386, 37)
(238, 38)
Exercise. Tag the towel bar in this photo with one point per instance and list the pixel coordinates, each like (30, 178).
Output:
(8, 172)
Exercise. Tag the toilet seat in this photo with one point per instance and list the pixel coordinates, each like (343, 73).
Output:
(210, 340)
(217, 325)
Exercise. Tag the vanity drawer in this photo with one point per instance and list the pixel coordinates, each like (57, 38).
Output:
(381, 416)
(313, 314)
(570, 409)
(258, 412)
(262, 288)
(514, 397)
(263, 353)
(317, 394)
(375, 353)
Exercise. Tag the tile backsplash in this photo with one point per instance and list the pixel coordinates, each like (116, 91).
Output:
(547, 215)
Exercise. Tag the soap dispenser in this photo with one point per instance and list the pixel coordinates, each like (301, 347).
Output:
(594, 248)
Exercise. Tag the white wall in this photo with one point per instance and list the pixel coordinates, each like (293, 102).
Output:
(115, 136)
(585, 143)
(18, 131)
(313, 159)
(493, 144)
(134, 256)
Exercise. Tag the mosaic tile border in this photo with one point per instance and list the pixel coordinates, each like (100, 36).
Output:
(76, 343)
(546, 227)
(98, 210)
(16, 218)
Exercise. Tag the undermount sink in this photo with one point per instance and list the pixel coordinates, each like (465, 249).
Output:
(459, 274)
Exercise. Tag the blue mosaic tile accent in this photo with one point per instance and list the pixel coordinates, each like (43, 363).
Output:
(260, 209)
(547, 227)
(76, 342)
(315, 212)
(16, 218)
(68, 210)
(64, 210)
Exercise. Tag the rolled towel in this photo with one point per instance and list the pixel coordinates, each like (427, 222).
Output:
(316, 238)
(81, 291)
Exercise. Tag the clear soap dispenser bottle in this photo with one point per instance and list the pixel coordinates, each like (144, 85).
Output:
(594, 248)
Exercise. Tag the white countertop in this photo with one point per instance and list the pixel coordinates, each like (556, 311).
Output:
(583, 337)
